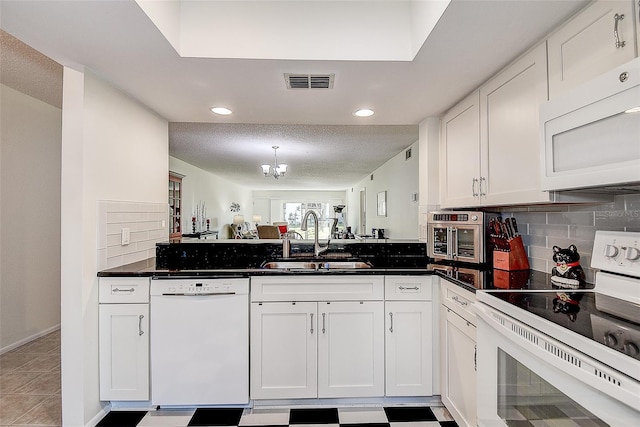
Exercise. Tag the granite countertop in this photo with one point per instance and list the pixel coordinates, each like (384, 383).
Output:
(471, 278)
(147, 268)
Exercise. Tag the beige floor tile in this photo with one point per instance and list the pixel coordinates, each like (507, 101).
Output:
(14, 406)
(14, 360)
(41, 363)
(47, 383)
(10, 381)
(48, 413)
(38, 346)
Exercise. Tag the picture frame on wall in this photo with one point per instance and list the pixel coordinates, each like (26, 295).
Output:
(382, 203)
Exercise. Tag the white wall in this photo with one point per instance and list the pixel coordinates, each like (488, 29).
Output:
(399, 178)
(217, 194)
(30, 135)
(113, 148)
(429, 171)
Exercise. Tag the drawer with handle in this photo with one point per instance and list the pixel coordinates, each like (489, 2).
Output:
(402, 288)
(125, 290)
(459, 300)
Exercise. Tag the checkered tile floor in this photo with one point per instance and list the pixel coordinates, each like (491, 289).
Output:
(401, 416)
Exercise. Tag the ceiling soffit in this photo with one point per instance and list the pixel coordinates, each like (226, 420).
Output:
(296, 30)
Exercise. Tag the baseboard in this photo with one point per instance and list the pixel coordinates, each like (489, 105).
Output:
(29, 339)
(99, 416)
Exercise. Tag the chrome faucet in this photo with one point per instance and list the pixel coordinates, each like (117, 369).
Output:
(317, 250)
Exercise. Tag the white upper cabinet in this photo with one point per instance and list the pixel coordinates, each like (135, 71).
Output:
(510, 132)
(490, 141)
(459, 154)
(587, 46)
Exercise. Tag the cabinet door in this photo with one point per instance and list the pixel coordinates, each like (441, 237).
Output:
(459, 367)
(409, 348)
(460, 154)
(510, 135)
(585, 47)
(351, 349)
(283, 350)
(124, 351)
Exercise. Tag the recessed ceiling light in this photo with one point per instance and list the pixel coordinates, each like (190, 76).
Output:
(221, 110)
(365, 112)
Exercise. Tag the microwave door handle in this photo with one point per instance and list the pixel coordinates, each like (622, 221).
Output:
(616, 35)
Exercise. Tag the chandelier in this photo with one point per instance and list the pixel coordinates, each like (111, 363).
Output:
(277, 170)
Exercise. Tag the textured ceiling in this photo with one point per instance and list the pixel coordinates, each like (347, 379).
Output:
(321, 157)
(28, 71)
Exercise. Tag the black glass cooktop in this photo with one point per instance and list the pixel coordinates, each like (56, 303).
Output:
(607, 320)
(479, 278)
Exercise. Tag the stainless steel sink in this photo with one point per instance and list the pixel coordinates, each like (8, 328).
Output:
(316, 265)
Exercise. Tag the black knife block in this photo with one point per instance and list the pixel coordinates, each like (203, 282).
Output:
(513, 259)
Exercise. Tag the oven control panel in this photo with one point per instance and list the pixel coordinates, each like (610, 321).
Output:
(617, 252)
(616, 335)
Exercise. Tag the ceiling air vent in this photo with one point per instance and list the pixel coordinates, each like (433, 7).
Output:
(309, 81)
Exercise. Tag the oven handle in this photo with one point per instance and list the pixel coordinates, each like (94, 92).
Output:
(193, 294)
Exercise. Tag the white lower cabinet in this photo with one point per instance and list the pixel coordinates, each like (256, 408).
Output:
(317, 349)
(458, 354)
(344, 336)
(410, 327)
(123, 338)
(350, 349)
(327, 341)
(283, 350)
(124, 351)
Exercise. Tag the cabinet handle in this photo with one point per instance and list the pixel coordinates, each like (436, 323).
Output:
(475, 358)
(123, 290)
(459, 301)
(140, 331)
(482, 178)
(391, 317)
(323, 326)
(413, 288)
(311, 314)
(473, 187)
(616, 19)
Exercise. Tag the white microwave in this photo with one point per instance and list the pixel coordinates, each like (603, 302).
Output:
(590, 137)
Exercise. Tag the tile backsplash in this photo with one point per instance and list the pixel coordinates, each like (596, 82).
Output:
(147, 225)
(545, 226)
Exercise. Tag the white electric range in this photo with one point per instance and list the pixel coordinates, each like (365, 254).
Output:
(566, 355)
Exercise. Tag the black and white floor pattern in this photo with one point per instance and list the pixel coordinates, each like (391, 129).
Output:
(399, 416)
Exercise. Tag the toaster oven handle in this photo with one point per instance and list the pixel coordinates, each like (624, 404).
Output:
(454, 242)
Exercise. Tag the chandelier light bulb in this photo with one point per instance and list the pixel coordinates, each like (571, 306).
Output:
(277, 170)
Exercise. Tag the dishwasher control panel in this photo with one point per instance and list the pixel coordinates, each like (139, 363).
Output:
(199, 286)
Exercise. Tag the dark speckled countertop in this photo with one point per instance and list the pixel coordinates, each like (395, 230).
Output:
(468, 277)
(229, 259)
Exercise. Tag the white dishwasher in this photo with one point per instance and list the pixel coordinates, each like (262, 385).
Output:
(199, 341)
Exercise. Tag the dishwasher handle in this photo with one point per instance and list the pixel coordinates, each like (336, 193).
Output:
(195, 294)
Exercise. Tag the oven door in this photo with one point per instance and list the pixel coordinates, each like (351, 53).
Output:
(528, 378)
